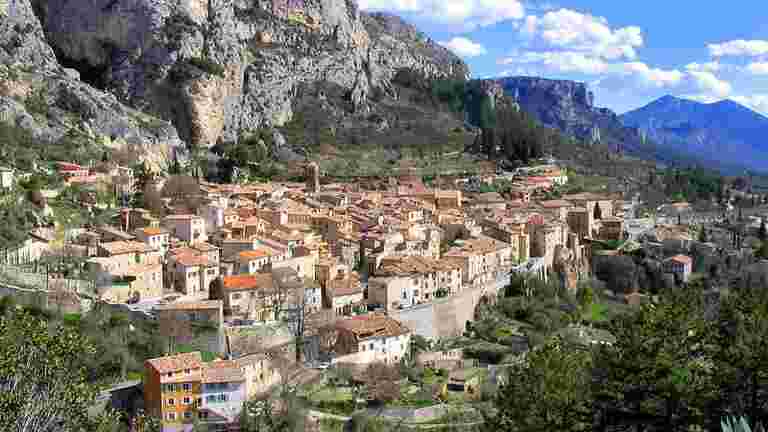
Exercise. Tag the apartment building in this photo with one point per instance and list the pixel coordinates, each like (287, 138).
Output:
(173, 390)
(188, 228)
(405, 282)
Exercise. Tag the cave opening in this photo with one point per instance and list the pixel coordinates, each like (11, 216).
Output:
(95, 76)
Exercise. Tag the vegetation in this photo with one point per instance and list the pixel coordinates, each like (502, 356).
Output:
(207, 65)
(44, 382)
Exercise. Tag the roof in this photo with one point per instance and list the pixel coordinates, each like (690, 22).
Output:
(372, 325)
(190, 260)
(682, 259)
(415, 265)
(254, 254)
(248, 282)
(153, 231)
(177, 362)
(204, 247)
(555, 204)
(191, 305)
(124, 247)
(221, 371)
(181, 217)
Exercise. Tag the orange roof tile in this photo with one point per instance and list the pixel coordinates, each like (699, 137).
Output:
(177, 362)
(248, 282)
(254, 254)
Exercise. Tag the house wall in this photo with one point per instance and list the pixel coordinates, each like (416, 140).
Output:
(260, 376)
(184, 402)
(234, 394)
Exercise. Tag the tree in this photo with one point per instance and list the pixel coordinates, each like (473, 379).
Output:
(742, 356)
(43, 383)
(703, 235)
(282, 411)
(656, 373)
(381, 380)
(762, 233)
(549, 391)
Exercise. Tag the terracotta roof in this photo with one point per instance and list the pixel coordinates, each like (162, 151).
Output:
(190, 260)
(123, 247)
(153, 231)
(221, 371)
(191, 305)
(682, 259)
(177, 362)
(415, 265)
(555, 204)
(254, 254)
(372, 325)
(181, 217)
(204, 247)
(248, 282)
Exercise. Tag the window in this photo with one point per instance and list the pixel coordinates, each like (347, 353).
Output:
(171, 401)
(187, 400)
(203, 414)
(170, 374)
(236, 296)
(171, 416)
(222, 398)
(187, 372)
(187, 414)
(210, 399)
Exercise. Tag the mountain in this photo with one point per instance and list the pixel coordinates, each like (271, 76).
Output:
(568, 106)
(172, 76)
(723, 133)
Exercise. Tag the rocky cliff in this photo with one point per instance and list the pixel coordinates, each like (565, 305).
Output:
(569, 107)
(38, 94)
(219, 69)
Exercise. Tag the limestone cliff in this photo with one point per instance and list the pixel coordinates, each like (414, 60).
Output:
(219, 69)
(29, 71)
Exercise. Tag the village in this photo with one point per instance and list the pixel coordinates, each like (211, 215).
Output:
(256, 285)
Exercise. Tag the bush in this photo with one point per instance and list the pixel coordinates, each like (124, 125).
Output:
(37, 103)
(207, 65)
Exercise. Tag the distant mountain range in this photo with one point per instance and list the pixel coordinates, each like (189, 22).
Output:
(723, 134)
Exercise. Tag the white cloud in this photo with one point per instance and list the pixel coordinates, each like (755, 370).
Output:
(757, 102)
(569, 30)
(560, 61)
(464, 47)
(708, 83)
(469, 13)
(650, 77)
(744, 48)
(758, 68)
(704, 67)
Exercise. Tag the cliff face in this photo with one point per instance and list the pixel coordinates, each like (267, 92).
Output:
(219, 69)
(568, 106)
(29, 69)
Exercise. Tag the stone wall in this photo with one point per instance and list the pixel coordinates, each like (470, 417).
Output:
(441, 318)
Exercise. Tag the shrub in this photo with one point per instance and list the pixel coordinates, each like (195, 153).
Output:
(207, 66)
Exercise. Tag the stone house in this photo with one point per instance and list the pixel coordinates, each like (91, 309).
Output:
(191, 273)
(372, 337)
(156, 238)
(262, 372)
(408, 281)
(481, 258)
(188, 228)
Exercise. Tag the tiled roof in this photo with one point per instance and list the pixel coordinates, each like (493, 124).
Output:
(123, 247)
(181, 217)
(222, 371)
(555, 204)
(254, 254)
(415, 265)
(153, 231)
(248, 282)
(190, 260)
(372, 325)
(204, 247)
(191, 305)
(682, 259)
(177, 362)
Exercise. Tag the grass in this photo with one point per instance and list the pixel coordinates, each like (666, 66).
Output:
(597, 313)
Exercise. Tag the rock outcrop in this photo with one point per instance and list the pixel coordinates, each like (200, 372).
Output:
(568, 106)
(220, 69)
(30, 72)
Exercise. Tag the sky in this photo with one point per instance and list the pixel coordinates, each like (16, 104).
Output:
(628, 52)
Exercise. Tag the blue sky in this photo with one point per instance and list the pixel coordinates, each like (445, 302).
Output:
(629, 52)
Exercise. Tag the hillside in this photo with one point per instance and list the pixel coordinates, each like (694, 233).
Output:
(163, 79)
(721, 132)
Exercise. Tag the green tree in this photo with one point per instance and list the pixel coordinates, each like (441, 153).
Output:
(43, 384)
(742, 356)
(656, 373)
(762, 233)
(549, 391)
